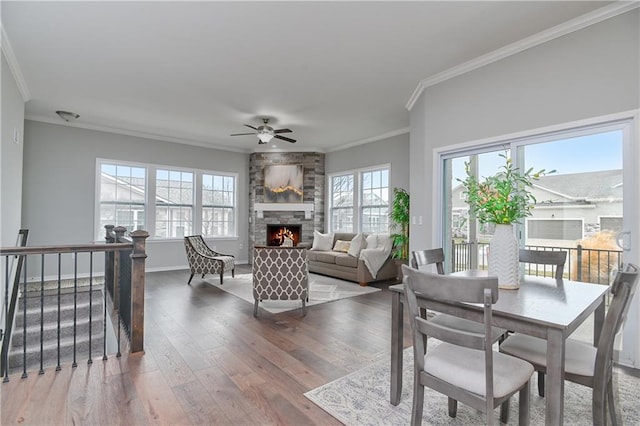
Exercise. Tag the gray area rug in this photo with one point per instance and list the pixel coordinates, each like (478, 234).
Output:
(362, 398)
(321, 290)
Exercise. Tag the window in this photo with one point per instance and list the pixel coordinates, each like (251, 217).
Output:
(218, 205)
(121, 196)
(359, 201)
(174, 203)
(342, 196)
(375, 201)
(166, 202)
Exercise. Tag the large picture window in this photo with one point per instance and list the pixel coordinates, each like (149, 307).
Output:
(218, 205)
(166, 202)
(174, 203)
(122, 196)
(359, 201)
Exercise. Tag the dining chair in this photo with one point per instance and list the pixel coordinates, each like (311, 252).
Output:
(464, 365)
(421, 258)
(539, 257)
(585, 364)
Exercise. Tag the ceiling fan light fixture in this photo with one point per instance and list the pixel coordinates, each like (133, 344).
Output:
(265, 137)
(68, 116)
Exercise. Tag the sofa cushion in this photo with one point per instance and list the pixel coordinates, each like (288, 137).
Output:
(326, 256)
(346, 260)
(321, 241)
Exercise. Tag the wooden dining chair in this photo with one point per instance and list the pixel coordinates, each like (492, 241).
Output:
(464, 366)
(557, 260)
(421, 258)
(585, 364)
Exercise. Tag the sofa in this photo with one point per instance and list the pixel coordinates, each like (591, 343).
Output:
(344, 266)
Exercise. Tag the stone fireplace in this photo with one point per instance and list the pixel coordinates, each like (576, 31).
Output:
(308, 215)
(276, 234)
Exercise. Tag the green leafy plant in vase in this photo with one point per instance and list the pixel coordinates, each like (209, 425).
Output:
(502, 199)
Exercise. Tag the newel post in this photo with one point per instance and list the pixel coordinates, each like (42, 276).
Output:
(109, 233)
(138, 258)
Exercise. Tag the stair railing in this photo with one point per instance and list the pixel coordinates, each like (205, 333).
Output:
(133, 249)
(12, 269)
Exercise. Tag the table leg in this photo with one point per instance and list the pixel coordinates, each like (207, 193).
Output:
(396, 347)
(554, 393)
(598, 321)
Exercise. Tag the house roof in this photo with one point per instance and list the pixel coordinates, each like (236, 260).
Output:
(589, 186)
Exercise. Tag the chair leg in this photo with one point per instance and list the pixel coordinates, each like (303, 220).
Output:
(221, 273)
(203, 275)
(418, 401)
(611, 404)
(304, 308)
(504, 411)
(255, 308)
(190, 278)
(523, 402)
(599, 403)
(541, 383)
(233, 273)
(453, 407)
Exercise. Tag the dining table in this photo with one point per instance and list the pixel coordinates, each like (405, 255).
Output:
(542, 307)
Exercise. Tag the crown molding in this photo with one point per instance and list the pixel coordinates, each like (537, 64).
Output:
(7, 50)
(586, 20)
(138, 134)
(371, 139)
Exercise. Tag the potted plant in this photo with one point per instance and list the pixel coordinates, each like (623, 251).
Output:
(502, 199)
(400, 218)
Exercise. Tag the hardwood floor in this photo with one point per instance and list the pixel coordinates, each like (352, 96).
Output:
(207, 360)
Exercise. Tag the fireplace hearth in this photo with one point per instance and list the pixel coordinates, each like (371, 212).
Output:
(276, 234)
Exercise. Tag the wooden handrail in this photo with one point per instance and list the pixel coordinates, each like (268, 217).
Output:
(72, 248)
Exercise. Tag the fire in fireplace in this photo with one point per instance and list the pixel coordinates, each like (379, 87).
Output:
(277, 233)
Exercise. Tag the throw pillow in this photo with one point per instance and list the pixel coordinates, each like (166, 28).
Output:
(385, 242)
(372, 241)
(356, 246)
(322, 242)
(342, 246)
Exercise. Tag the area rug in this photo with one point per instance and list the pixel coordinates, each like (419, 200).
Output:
(362, 398)
(321, 290)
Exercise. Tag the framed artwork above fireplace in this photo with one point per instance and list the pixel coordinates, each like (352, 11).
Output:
(283, 183)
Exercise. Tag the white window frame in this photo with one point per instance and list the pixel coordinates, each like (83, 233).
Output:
(357, 191)
(234, 207)
(150, 194)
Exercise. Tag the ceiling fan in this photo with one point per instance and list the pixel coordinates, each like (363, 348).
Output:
(265, 133)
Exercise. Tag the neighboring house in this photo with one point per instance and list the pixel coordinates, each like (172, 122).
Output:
(569, 207)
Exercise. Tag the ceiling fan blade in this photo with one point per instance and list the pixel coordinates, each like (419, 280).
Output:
(251, 127)
(283, 131)
(241, 134)
(285, 139)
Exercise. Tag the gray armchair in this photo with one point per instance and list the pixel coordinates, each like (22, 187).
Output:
(203, 260)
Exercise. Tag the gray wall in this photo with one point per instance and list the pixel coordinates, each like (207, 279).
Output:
(10, 158)
(59, 184)
(585, 74)
(394, 150)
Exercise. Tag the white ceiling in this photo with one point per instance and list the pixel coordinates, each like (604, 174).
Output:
(336, 73)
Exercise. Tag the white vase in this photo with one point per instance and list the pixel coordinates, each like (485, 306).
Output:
(503, 257)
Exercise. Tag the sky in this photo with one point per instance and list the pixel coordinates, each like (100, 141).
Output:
(602, 151)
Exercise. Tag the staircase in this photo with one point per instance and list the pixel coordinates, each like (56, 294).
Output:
(58, 322)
